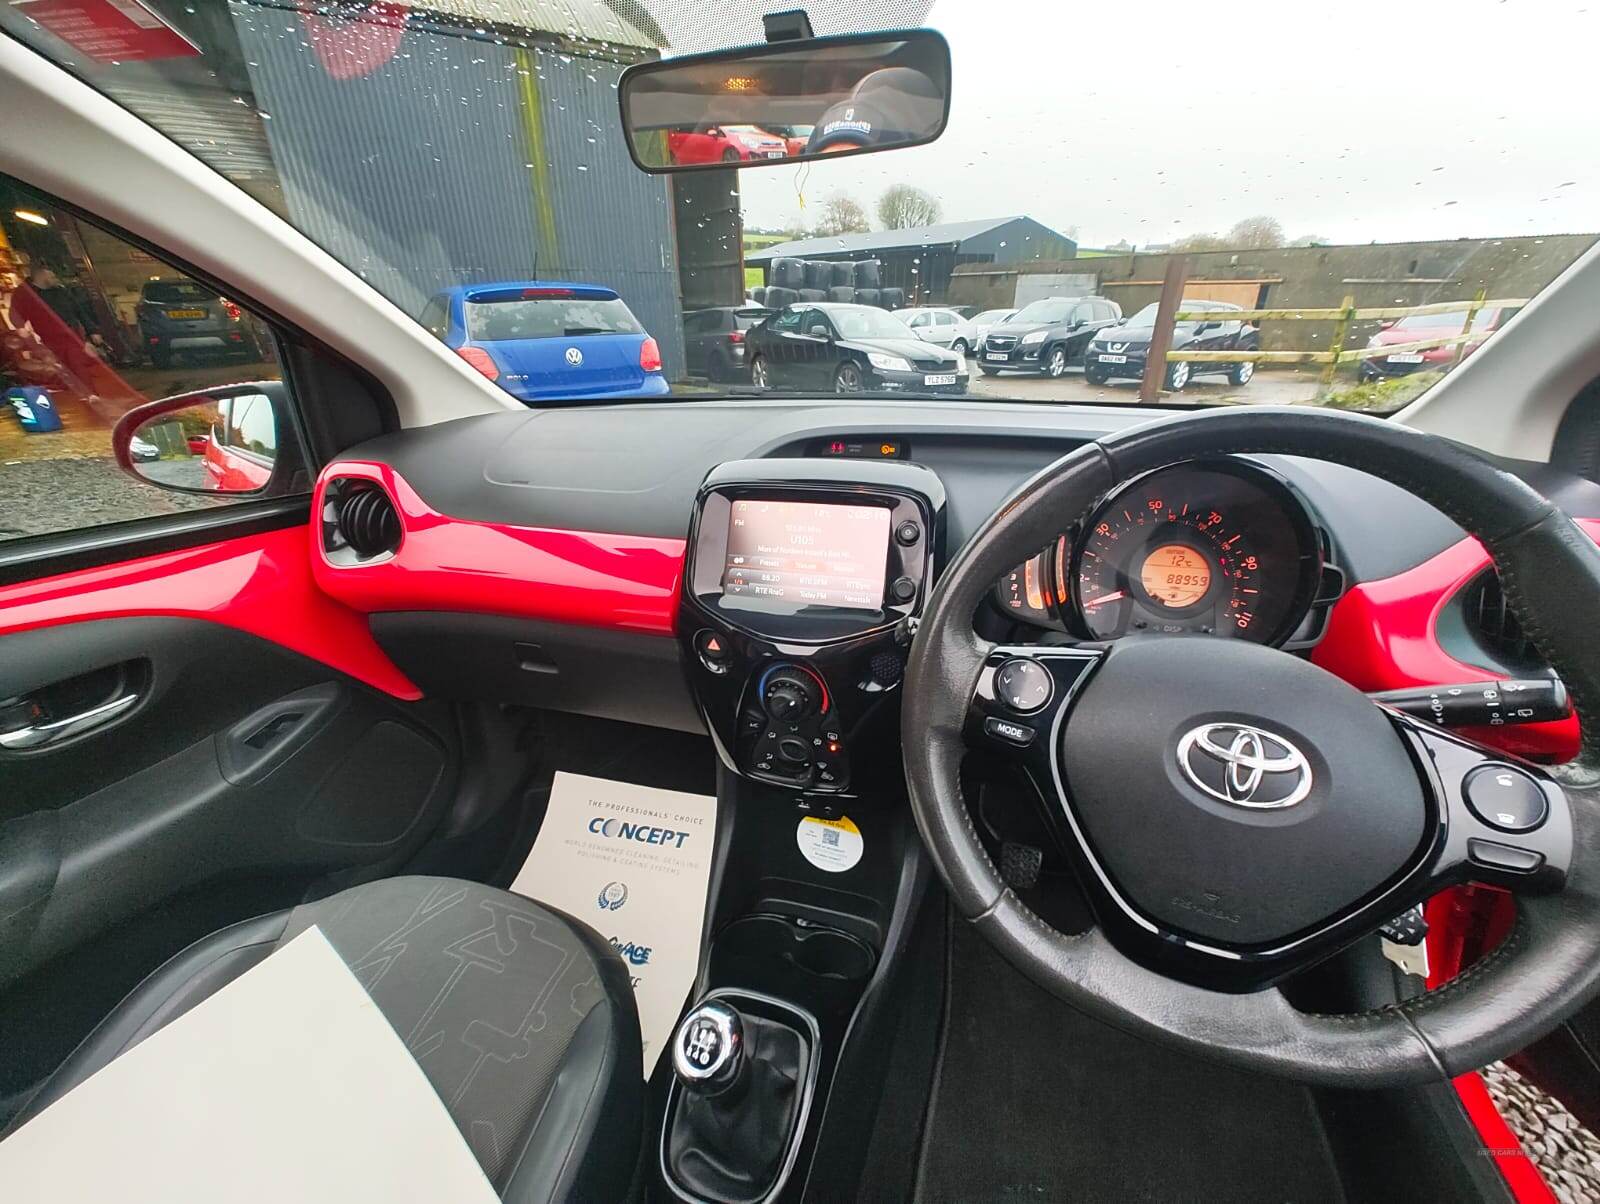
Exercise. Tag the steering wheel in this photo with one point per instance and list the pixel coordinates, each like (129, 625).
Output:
(1237, 814)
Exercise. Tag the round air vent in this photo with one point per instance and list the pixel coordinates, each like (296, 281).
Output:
(359, 522)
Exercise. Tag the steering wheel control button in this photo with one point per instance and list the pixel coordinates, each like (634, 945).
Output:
(1505, 797)
(903, 590)
(1492, 855)
(1018, 734)
(907, 533)
(714, 653)
(1023, 685)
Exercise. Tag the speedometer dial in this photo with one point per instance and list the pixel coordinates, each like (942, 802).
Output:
(1219, 549)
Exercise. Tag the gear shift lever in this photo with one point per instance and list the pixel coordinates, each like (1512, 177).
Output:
(708, 1054)
(738, 1103)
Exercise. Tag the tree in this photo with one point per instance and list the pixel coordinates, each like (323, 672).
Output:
(1255, 234)
(1199, 242)
(1308, 240)
(903, 207)
(841, 214)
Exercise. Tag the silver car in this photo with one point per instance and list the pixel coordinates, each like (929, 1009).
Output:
(986, 321)
(935, 324)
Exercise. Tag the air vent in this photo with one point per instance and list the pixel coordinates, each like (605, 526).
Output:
(1483, 604)
(359, 522)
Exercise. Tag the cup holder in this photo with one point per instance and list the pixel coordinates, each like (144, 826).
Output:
(793, 959)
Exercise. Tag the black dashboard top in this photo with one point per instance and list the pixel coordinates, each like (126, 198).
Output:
(635, 468)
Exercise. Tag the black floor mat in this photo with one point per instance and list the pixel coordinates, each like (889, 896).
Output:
(1034, 1101)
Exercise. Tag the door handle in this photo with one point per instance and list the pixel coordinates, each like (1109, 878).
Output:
(42, 735)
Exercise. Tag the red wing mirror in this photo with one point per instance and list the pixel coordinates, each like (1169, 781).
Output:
(217, 441)
(787, 102)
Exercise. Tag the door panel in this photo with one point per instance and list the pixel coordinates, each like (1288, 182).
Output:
(243, 779)
(236, 758)
(260, 584)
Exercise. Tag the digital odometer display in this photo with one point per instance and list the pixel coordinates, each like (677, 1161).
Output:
(1176, 575)
(807, 553)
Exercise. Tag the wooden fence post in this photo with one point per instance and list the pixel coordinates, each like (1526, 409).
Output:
(1472, 315)
(1155, 360)
(1341, 331)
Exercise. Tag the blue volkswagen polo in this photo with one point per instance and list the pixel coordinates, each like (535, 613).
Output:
(549, 341)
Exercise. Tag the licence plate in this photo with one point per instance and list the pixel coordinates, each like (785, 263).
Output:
(185, 315)
(1113, 359)
(996, 355)
(947, 379)
(776, 154)
(1406, 358)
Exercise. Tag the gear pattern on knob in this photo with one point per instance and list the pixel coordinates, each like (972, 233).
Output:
(707, 1047)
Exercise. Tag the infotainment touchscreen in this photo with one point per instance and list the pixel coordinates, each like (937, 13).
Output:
(807, 553)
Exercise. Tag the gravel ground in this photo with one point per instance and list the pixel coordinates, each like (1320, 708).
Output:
(44, 496)
(1566, 1153)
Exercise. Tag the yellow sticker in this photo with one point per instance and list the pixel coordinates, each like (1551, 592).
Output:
(834, 845)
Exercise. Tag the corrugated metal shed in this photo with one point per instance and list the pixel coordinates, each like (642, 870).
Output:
(463, 158)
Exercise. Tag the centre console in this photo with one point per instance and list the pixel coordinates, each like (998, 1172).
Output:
(803, 582)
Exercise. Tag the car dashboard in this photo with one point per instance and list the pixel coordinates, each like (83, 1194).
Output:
(755, 568)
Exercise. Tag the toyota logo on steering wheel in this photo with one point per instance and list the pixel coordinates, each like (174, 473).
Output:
(1244, 765)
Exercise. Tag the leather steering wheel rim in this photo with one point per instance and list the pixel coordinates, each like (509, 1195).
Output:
(1549, 964)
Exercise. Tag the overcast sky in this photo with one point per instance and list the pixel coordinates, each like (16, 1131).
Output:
(1360, 122)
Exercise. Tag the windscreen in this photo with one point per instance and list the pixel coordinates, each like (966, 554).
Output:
(1333, 174)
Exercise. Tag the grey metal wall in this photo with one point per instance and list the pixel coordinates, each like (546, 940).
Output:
(422, 172)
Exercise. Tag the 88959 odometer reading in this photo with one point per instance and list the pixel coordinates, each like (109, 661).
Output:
(1218, 549)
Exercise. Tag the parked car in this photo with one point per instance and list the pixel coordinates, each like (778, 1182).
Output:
(141, 450)
(1120, 350)
(182, 315)
(713, 340)
(1046, 336)
(986, 321)
(724, 143)
(795, 137)
(940, 325)
(848, 349)
(1416, 328)
(548, 340)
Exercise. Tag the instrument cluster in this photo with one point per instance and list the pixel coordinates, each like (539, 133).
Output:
(1217, 547)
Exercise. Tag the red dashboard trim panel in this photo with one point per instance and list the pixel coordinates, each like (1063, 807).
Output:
(1383, 635)
(626, 582)
(260, 584)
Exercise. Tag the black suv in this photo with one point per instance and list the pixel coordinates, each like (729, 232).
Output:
(1045, 336)
(713, 340)
(1120, 350)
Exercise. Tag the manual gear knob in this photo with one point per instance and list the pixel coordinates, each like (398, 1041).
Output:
(708, 1049)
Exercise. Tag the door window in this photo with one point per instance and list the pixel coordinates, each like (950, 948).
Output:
(787, 323)
(92, 326)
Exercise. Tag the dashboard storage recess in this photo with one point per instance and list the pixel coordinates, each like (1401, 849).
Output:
(803, 581)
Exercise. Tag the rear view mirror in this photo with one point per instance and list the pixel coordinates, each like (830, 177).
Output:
(787, 102)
